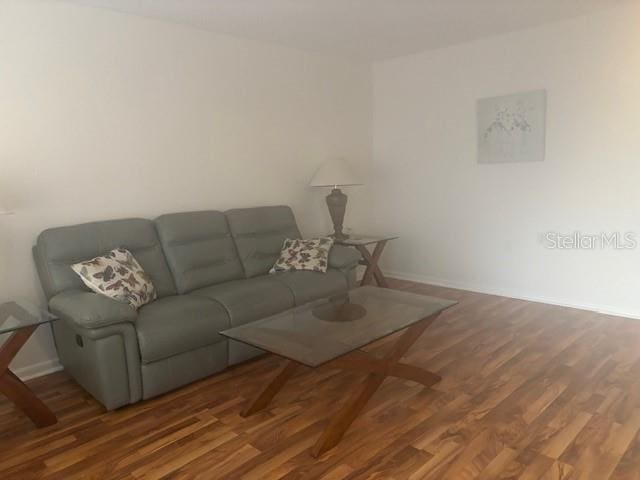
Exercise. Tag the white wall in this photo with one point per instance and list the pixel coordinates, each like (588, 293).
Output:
(478, 226)
(104, 115)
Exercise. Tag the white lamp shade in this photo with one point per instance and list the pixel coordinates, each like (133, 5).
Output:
(334, 173)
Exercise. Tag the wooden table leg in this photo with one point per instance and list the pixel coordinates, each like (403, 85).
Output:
(381, 367)
(380, 278)
(14, 389)
(26, 400)
(373, 270)
(347, 414)
(408, 338)
(415, 374)
(266, 395)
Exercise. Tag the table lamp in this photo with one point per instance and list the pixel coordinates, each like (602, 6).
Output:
(335, 173)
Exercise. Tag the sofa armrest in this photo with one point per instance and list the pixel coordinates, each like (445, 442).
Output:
(343, 258)
(91, 310)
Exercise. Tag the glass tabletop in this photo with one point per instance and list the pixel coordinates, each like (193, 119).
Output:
(19, 314)
(320, 331)
(355, 240)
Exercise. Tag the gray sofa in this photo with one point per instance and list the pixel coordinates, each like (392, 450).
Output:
(210, 270)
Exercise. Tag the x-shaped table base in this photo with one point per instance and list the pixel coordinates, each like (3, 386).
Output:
(14, 389)
(371, 261)
(377, 369)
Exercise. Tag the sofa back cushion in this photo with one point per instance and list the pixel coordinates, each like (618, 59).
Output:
(58, 248)
(259, 234)
(199, 249)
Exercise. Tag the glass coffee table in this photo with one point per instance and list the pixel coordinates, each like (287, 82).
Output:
(21, 319)
(331, 332)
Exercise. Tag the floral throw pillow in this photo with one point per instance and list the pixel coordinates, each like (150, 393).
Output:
(311, 254)
(117, 275)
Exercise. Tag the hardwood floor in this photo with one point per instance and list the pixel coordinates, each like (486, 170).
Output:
(529, 391)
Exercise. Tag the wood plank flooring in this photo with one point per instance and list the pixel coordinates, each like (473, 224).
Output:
(529, 391)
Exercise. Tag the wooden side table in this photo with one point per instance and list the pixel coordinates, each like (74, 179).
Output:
(370, 260)
(21, 320)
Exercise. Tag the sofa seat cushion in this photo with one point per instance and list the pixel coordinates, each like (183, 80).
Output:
(307, 286)
(251, 299)
(178, 324)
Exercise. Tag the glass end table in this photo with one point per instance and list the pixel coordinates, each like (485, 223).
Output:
(369, 259)
(20, 320)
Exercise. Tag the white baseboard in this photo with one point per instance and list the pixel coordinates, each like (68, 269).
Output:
(38, 369)
(604, 309)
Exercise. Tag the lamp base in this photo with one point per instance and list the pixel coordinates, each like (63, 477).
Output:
(337, 204)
